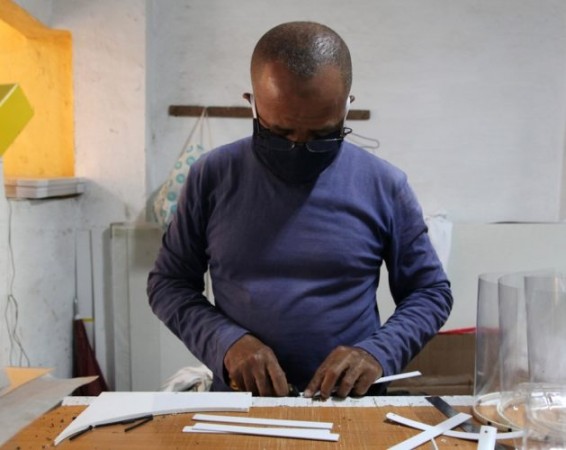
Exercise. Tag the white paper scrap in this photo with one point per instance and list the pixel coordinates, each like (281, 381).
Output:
(116, 406)
(299, 433)
(269, 422)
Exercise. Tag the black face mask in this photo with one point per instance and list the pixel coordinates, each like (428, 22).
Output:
(294, 163)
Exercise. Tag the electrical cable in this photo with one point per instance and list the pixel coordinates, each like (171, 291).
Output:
(11, 312)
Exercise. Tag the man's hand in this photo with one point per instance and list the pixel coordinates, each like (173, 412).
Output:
(347, 370)
(253, 367)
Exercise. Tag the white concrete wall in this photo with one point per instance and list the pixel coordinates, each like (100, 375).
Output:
(467, 96)
(40, 9)
(42, 281)
(109, 82)
(4, 267)
(109, 65)
(109, 73)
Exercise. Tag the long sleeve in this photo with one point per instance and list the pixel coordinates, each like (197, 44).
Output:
(176, 282)
(298, 266)
(418, 285)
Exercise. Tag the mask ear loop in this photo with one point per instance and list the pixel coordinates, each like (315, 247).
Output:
(347, 130)
(375, 143)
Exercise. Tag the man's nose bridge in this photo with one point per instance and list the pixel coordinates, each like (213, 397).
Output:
(300, 136)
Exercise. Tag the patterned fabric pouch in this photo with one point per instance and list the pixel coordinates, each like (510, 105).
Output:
(165, 203)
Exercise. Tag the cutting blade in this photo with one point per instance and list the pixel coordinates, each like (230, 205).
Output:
(449, 411)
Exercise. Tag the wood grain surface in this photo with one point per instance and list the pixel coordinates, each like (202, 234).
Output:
(359, 428)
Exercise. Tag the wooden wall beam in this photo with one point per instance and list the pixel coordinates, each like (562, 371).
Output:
(241, 112)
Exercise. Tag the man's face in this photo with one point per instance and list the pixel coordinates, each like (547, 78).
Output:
(297, 109)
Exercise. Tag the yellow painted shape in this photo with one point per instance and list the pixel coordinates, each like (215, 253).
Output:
(15, 112)
(39, 59)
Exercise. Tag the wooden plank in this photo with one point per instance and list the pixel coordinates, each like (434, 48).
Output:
(241, 112)
(360, 428)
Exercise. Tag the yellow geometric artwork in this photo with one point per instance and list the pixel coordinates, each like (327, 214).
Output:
(15, 112)
(38, 60)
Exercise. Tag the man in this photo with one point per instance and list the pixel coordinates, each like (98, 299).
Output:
(294, 224)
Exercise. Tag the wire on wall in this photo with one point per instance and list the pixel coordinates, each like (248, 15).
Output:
(18, 355)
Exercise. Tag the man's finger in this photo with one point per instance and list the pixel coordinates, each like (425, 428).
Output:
(250, 383)
(278, 380)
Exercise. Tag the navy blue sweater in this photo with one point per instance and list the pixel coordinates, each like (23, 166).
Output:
(298, 266)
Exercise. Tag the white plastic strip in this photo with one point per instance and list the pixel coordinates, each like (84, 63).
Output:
(432, 432)
(386, 379)
(349, 402)
(399, 376)
(487, 438)
(300, 433)
(190, 429)
(259, 421)
(450, 433)
(354, 402)
(422, 426)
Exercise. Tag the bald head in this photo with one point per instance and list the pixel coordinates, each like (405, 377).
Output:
(303, 48)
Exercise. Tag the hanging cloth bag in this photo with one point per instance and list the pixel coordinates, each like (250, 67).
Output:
(165, 203)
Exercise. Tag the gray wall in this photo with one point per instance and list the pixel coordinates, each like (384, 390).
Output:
(467, 96)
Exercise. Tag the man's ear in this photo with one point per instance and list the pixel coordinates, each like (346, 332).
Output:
(250, 98)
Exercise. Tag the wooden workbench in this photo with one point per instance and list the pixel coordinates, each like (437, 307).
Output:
(359, 428)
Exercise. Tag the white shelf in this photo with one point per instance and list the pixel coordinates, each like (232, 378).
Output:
(38, 188)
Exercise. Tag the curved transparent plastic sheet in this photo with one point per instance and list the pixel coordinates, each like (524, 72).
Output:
(487, 387)
(546, 328)
(521, 339)
(513, 351)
